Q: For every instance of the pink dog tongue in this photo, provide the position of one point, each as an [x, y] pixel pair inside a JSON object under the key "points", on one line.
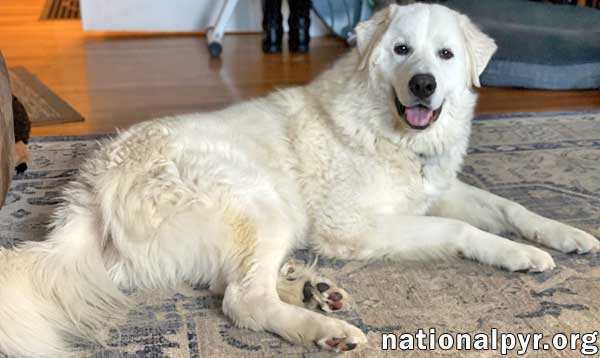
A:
{"points": [[418, 116]]}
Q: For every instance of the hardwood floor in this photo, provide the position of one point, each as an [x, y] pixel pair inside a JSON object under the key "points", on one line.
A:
{"points": [[116, 80]]}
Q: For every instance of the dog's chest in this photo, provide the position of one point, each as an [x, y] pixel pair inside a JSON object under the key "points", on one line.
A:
{"points": [[408, 182], [342, 185], [389, 181], [438, 173]]}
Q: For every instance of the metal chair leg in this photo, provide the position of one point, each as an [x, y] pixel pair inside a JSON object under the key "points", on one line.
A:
{"points": [[214, 34]]}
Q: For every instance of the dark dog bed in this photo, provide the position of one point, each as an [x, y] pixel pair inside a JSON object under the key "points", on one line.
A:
{"points": [[540, 45]]}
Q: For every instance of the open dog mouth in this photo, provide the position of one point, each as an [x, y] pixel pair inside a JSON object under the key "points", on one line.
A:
{"points": [[417, 117]]}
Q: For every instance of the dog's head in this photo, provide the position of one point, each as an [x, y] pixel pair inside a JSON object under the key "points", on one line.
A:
{"points": [[420, 57]]}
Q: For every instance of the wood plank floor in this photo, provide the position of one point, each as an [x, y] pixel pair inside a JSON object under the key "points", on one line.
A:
{"points": [[116, 80]]}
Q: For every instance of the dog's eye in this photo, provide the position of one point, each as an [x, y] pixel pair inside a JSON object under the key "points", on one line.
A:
{"points": [[401, 49], [445, 54]]}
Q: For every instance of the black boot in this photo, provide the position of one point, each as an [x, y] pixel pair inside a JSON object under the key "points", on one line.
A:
{"points": [[272, 26], [299, 22]]}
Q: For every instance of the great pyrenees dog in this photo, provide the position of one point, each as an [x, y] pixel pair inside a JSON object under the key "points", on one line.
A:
{"points": [[361, 163]]}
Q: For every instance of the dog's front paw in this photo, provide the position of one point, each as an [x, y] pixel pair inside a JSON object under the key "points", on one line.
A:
{"points": [[526, 258], [566, 238], [301, 285]]}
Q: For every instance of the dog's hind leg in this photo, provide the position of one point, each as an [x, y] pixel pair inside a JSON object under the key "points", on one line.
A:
{"points": [[251, 299]]}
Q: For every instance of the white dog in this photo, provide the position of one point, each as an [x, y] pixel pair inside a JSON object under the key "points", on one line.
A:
{"points": [[359, 164]]}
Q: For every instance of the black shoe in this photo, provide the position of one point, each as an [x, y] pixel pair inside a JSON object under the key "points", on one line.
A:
{"points": [[299, 22], [272, 26]]}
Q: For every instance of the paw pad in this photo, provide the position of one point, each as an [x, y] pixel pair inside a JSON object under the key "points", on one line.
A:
{"points": [[302, 286], [338, 345], [322, 286], [324, 295]]}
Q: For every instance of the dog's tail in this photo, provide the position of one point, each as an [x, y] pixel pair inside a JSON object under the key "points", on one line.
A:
{"points": [[56, 291]]}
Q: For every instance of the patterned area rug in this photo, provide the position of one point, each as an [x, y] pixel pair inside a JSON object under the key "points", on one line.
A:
{"points": [[549, 163]]}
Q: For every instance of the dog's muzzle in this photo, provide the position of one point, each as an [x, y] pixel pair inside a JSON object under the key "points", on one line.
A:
{"points": [[417, 117]]}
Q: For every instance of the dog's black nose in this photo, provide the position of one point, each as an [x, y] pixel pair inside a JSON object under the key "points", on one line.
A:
{"points": [[422, 85]]}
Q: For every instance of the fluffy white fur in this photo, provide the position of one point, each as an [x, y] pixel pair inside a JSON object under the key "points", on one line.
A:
{"points": [[223, 197]]}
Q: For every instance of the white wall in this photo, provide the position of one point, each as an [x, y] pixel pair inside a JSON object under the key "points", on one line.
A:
{"points": [[174, 15]]}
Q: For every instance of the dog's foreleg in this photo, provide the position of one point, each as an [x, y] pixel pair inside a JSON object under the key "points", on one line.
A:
{"points": [[424, 236], [495, 214]]}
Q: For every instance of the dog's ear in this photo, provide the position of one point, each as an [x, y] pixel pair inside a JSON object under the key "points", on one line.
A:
{"points": [[369, 33], [480, 48]]}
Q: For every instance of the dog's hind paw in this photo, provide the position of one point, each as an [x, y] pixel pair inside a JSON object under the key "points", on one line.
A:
{"points": [[323, 295], [339, 336], [301, 285], [337, 344]]}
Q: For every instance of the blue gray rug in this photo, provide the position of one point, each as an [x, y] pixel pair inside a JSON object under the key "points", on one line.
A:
{"points": [[550, 163]]}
